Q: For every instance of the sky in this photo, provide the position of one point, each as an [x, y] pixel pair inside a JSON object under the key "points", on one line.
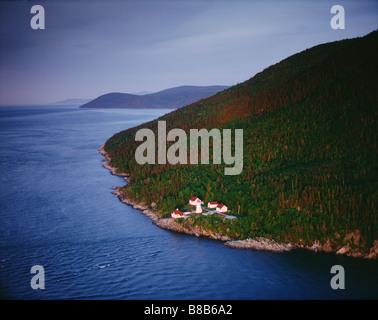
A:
{"points": [[89, 48]]}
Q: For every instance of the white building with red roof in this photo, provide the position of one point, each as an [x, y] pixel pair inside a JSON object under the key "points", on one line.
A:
{"points": [[212, 204], [193, 201], [221, 208], [177, 214]]}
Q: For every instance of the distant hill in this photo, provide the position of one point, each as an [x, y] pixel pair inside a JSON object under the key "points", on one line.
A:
{"points": [[73, 101], [310, 152], [167, 99]]}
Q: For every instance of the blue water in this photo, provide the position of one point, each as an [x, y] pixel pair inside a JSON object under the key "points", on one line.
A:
{"points": [[57, 210]]}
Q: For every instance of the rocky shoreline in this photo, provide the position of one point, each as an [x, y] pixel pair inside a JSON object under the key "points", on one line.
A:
{"points": [[260, 243], [106, 159]]}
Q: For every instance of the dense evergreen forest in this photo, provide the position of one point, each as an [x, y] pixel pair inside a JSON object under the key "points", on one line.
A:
{"points": [[310, 150]]}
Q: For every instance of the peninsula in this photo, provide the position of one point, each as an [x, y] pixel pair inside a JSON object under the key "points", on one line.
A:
{"points": [[309, 176]]}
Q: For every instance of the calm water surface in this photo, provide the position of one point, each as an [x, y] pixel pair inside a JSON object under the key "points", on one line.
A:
{"points": [[57, 211]]}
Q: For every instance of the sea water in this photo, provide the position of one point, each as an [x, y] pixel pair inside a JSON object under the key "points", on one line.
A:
{"points": [[57, 211]]}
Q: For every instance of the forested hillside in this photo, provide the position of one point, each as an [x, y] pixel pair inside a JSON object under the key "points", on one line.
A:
{"points": [[310, 150]]}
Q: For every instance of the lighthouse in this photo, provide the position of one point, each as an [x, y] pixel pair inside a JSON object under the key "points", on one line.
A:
{"points": [[198, 208]]}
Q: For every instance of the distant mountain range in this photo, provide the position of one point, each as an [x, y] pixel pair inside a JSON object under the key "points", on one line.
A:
{"points": [[167, 99], [73, 101]]}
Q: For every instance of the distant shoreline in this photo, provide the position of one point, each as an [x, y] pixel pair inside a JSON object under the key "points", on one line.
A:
{"points": [[258, 243]]}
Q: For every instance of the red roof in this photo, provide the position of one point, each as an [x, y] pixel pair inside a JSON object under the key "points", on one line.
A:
{"points": [[220, 206], [193, 198], [177, 211], [213, 202]]}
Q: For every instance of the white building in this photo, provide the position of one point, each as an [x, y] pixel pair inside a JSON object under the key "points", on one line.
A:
{"points": [[177, 214], [198, 208], [212, 205], [221, 208], [194, 200]]}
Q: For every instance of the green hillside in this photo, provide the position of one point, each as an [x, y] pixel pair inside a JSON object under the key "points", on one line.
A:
{"points": [[310, 150]]}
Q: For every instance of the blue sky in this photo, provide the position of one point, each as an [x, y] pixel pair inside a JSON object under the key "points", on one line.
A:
{"points": [[89, 48]]}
